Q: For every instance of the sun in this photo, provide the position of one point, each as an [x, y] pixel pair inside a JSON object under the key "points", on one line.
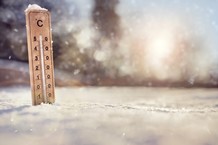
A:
{"points": [[160, 47]]}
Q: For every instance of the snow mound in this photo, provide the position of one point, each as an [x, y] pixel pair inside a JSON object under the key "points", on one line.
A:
{"points": [[34, 7]]}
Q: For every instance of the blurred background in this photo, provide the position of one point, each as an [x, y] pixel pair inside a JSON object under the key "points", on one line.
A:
{"points": [[118, 42]]}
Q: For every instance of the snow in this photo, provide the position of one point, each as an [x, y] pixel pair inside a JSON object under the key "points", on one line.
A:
{"points": [[106, 116], [32, 7]]}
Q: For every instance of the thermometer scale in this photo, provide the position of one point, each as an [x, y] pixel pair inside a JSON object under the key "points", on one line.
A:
{"points": [[40, 54]]}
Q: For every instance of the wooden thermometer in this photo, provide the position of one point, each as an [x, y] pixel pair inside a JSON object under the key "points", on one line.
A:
{"points": [[40, 54]]}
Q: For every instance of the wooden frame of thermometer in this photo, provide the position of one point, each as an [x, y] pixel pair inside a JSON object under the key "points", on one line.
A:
{"points": [[40, 54]]}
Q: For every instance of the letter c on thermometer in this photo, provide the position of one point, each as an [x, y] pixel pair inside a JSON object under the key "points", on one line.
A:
{"points": [[39, 23]]}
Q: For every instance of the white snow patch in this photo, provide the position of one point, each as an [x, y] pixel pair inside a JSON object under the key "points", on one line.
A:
{"points": [[34, 7], [118, 116]]}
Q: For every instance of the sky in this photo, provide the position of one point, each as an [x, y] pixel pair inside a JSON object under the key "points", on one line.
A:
{"points": [[195, 20]]}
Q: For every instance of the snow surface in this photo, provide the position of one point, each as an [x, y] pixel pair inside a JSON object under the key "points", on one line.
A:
{"points": [[111, 116], [32, 7]]}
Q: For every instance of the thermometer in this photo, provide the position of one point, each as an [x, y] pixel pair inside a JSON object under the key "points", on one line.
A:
{"points": [[40, 54]]}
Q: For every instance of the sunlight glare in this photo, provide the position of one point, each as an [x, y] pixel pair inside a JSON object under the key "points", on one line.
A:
{"points": [[160, 47]]}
